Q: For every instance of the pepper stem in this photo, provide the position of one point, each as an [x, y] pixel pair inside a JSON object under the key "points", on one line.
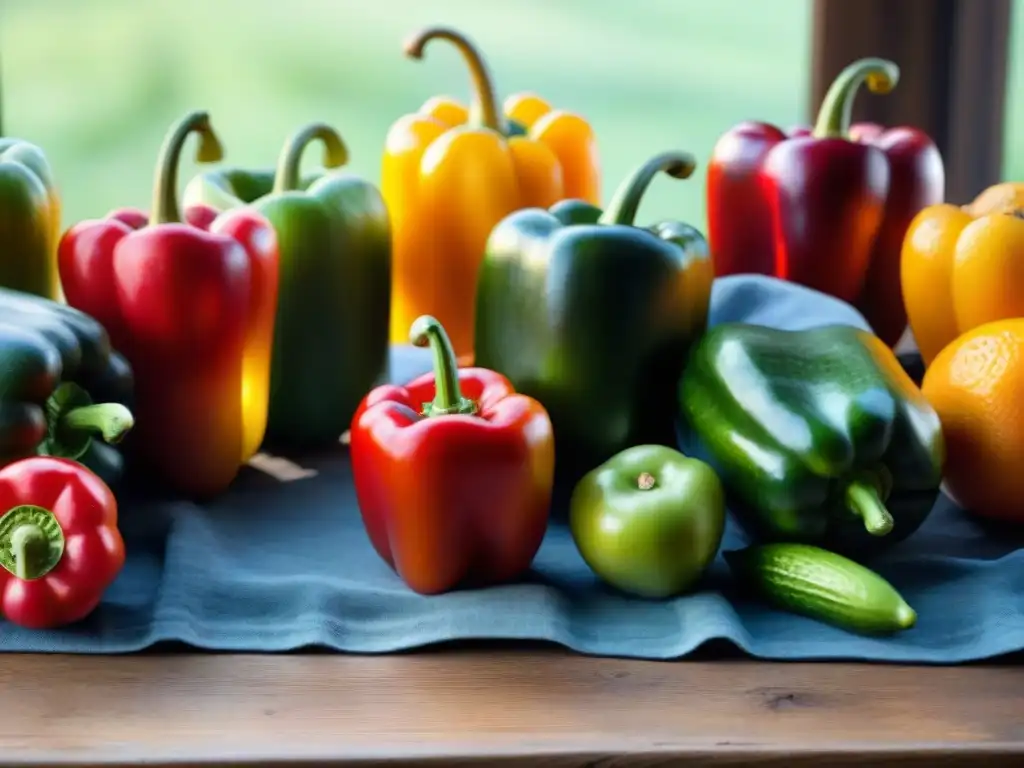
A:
{"points": [[645, 481], [863, 500], [448, 399], [626, 200], [111, 421], [165, 187], [73, 420], [484, 108], [286, 178], [31, 541], [31, 550], [880, 76]]}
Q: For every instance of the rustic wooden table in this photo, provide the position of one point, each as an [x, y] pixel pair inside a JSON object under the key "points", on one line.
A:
{"points": [[486, 707]]}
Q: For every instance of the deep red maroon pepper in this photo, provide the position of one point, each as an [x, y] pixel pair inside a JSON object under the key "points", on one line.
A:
{"points": [[917, 179], [827, 207]]}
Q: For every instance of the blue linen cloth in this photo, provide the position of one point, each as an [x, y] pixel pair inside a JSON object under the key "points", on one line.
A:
{"points": [[278, 565]]}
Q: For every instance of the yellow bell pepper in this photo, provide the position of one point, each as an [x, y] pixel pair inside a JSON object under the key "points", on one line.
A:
{"points": [[450, 174], [962, 267]]}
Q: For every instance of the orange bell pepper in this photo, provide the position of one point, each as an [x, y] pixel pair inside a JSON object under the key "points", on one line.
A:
{"points": [[963, 266], [450, 174]]}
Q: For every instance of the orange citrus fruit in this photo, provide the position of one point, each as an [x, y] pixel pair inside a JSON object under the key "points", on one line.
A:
{"points": [[976, 384], [999, 198]]}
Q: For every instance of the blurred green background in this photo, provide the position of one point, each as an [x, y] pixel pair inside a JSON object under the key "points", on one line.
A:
{"points": [[97, 82]]}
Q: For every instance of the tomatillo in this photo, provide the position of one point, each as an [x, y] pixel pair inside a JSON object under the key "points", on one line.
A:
{"points": [[649, 520]]}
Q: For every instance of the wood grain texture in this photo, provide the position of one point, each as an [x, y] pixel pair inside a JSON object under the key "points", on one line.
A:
{"points": [[501, 708]]}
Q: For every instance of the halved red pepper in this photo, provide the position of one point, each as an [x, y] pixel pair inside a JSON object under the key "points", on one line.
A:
{"points": [[193, 312], [828, 207], [60, 547], [453, 473]]}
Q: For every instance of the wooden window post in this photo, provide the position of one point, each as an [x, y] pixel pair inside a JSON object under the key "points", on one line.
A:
{"points": [[952, 56]]}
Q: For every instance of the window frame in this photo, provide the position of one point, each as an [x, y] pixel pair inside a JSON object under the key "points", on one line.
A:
{"points": [[953, 57]]}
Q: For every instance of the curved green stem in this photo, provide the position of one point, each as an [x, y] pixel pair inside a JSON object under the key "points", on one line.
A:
{"points": [[484, 110], [335, 154], [73, 420], [863, 500], [626, 200], [448, 399], [31, 541], [31, 550], [111, 421], [165, 186], [880, 75]]}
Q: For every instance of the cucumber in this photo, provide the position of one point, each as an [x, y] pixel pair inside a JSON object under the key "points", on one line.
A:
{"points": [[822, 585]]}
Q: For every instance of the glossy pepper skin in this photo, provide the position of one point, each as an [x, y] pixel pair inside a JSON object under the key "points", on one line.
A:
{"points": [[29, 220], [54, 361], [60, 547], [961, 269], [450, 174], [193, 312], [594, 316], [453, 473], [819, 435], [827, 208], [334, 241]]}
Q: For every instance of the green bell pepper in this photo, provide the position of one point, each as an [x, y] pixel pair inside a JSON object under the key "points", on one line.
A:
{"points": [[53, 361], [819, 435], [334, 296], [593, 316], [29, 220]]}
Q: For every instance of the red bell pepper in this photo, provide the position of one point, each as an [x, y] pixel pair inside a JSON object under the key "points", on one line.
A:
{"points": [[827, 207], [192, 310], [60, 547], [453, 473]]}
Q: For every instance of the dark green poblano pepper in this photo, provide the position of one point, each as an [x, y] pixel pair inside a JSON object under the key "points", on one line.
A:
{"points": [[819, 435], [63, 391]]}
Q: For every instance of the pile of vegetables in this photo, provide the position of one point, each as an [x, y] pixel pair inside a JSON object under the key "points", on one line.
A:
{"points": [[569, 344]]}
